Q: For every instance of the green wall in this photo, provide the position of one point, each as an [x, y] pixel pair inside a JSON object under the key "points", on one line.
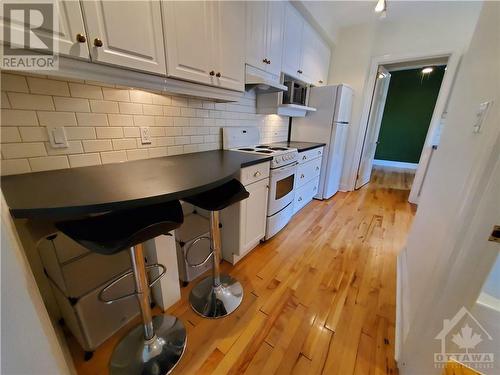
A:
{"points": [[407, 114]]}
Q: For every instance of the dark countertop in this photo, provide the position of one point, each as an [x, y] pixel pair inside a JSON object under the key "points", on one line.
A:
{"points": [[301, 146], [87, 190]]}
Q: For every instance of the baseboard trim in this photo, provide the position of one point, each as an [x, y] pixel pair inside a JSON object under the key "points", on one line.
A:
{"points": [[395, 164]]}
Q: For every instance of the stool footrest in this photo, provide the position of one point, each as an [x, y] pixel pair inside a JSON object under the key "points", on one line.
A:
{"points": [[186, 255], [123, 276]]}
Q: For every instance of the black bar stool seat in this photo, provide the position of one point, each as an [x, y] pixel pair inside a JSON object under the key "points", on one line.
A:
{"points": [[218, 295], [156, 346]]}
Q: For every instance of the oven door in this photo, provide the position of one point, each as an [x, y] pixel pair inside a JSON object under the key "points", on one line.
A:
{"points": [[281, 188]]}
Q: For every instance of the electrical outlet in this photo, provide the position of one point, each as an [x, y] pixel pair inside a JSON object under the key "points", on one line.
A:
{"points": [[145, 135]]}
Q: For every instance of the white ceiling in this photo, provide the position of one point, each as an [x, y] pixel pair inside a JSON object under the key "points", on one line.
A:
{"points": [[331, 16]]}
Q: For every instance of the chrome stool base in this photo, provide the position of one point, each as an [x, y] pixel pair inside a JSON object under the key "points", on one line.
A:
{"points": [[216, 301], [134, 355]]}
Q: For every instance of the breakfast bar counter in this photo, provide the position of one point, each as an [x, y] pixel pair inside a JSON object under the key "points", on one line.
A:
{"points": [[96, 189]]}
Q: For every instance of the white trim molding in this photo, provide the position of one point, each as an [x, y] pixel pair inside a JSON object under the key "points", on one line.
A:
{"points": [[395, 164]]}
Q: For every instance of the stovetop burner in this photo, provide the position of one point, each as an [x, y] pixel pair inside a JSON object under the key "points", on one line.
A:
{"points": [[262, 146], [264, 151], [246, 149], [278, 148]]}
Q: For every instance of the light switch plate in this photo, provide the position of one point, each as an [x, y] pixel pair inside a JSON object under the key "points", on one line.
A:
{"points": [[57, 137], [145, 135], [480, 115]]}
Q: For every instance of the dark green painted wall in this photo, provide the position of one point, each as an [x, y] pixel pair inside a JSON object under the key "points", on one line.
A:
{"points": [[407, 114]]}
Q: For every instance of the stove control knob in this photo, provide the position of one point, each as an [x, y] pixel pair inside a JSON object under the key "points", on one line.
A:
{"points": [[283, 158]]}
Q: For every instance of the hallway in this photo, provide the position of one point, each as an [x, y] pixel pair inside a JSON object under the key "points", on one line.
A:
{"points": [[319, 297]]}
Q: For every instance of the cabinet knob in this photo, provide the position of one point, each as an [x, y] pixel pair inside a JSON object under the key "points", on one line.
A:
{"points": [[320, 81], [302, 175], [264, 61], [97, 42], [256, 174], [212, 73], [218, 74], [300, 198], [80, 38], [269, 61], [299, 71]]}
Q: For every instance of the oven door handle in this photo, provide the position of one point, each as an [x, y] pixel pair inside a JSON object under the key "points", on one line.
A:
{"points": [[284, 170]]}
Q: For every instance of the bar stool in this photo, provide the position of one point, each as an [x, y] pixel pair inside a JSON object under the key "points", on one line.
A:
{"points": [[218, 295], [156, 346]]}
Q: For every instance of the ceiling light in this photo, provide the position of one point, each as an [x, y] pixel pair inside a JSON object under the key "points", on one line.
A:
{"points": [[427, 70], [381, 6]]}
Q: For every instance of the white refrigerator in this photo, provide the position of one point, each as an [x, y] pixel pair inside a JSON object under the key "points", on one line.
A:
{"points": [[330, 125]]}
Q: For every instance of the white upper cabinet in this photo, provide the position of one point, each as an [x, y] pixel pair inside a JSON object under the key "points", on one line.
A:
{"points": [[275, 27], [229, 34], [306, 56], [205, 42], [292, 48], [72, 37], [127, 34], [264, 47], [189, 41]]}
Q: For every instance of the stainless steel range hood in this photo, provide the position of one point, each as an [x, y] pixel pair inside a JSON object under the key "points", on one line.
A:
{"points": [[262, 82]]}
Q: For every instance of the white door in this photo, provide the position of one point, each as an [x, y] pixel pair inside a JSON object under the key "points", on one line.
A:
{"points": [[310, 55], [274, 43], [373, 128], [127, 34], [70, 20], [253, 214], [230, 44], [189, 40], [292, 46], [256, 36]]}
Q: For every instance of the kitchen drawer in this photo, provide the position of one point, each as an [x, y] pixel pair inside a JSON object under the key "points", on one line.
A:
{"points": [[305, 194], [307, 171], [308, 155], [254, 173]]}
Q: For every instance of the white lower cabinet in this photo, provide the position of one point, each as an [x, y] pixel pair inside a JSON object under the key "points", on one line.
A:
{"points": [[307, 177], [244, 223]]}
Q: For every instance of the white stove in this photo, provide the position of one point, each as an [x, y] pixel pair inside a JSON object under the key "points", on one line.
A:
{"points": [[281, 177]]}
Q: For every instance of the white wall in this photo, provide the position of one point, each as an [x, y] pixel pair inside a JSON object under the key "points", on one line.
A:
{"points": [[492, 284], [448, 253], [29, 342], [447, 28]]}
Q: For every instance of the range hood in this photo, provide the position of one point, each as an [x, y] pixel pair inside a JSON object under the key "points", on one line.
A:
{"points": [[262, 82]]}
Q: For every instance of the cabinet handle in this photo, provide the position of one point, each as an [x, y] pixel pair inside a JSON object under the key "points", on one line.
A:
{"points": [[269, 61], [320, 81], [300, 198], [256, 174], [302, 175], [314, 188], [218, 74], [299, 71], [97, 42], [317, 168], [265, 61], [304, 157], [319, 152], [212, 73], [80, 38]]}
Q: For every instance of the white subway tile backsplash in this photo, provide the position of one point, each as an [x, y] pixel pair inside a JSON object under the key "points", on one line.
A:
{"points": [[79, 90], [108, 119], [30, 101], [34, 134], [97, 145], [48, 163], [23, 150], [56, 118], [15, 166], [71, 104], [92, 119], [47, 86], [84, 160], [14, 117]]}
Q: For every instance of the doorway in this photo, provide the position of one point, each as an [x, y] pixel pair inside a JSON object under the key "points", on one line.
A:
{"points": [[402, 108]]}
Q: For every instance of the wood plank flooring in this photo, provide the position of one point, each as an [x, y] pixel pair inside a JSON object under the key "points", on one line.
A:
{"points": [[319, 296]]}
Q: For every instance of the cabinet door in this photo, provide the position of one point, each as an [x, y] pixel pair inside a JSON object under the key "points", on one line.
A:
{"points": [[230, 44], [274, 42], [292, 46], [256, 23], [70, 24], [253, 214], [321, 79], [189, 40], [130, 31], [310, 58]]}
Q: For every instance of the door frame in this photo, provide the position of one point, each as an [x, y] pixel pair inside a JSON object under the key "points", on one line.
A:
{"points": [[444, 92]]}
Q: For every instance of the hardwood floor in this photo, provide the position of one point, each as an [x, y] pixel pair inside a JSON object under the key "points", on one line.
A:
{"points": [[319, 296]]}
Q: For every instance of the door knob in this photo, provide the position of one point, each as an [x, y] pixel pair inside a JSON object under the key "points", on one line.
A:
{"points": [[97, 42], [80, 38], [218, 74], [212, 73]]}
